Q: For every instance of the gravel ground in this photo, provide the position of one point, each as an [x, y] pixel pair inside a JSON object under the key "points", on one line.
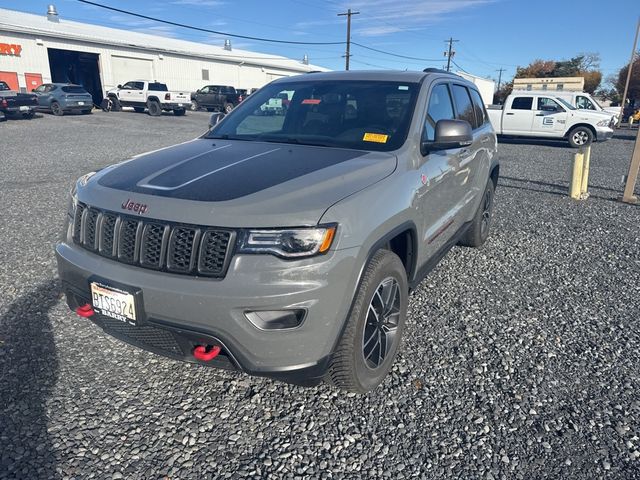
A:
{"points": [[520, 360]]}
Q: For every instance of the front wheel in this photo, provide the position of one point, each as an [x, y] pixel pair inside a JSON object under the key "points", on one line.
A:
{"points": [[194, 106], [374, 327], [580, 137], [228, 107], [154, 108], [56, 109]]}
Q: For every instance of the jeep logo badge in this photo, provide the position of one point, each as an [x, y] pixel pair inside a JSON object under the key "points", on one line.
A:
{"points": [[139, 208]]}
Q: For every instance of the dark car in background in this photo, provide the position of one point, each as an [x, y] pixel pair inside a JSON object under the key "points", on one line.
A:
{"points": [[61, 98], [15, 103], [216, 98]]}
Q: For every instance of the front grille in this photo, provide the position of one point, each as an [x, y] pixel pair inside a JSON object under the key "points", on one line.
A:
{"points": [[175, 248]]}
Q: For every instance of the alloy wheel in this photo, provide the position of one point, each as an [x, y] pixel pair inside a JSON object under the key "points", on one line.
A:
{"points": [[580, 137], [381, 323], [487, 209]]}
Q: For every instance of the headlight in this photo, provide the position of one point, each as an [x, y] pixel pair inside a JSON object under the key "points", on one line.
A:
{"points": [[73, 194], [603, 123], [288, 243]]}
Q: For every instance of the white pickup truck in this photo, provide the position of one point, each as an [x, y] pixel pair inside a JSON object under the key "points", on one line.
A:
{"points": [[543, 115], [155, 97]]}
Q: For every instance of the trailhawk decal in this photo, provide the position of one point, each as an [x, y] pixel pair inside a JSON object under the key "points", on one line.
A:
{"points": [[215, 170]]}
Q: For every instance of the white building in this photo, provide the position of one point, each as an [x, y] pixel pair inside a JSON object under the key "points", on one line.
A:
{"points": [[486, 86], [37, 49]]}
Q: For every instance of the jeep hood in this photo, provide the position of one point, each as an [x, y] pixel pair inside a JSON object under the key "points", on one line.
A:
{"points": [[236, 183]]}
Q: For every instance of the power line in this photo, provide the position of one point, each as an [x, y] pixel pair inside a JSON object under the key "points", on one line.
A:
{"points": [[396, 54], [190, 27]]}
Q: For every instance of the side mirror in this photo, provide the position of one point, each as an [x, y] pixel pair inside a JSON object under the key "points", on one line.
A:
{"points": [[119, 86], [449, 134], [215, 118]]}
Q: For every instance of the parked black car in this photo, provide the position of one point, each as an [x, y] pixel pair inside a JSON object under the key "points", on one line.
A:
{"points": [[15, 103], [216, 98]]}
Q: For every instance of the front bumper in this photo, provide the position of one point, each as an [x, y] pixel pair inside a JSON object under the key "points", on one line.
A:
{"points": [[603, 133], [203, 310]]}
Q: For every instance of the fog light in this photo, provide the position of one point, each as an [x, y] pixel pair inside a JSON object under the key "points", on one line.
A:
{"points": [[276, 319]]}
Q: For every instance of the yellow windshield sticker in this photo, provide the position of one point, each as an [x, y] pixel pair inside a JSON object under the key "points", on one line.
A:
{"points": [[375, 137]]}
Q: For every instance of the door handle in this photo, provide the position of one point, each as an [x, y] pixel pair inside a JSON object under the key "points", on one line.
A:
{"points": [[539, 114], [510, 113]]}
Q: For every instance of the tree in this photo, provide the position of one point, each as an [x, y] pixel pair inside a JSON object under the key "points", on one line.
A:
{"points": [[634, 82], [585, 65], [501, 95], [536, 69], [592, 80]]}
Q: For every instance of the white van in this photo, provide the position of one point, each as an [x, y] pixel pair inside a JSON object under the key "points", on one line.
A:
{"points": [[580, 100]]}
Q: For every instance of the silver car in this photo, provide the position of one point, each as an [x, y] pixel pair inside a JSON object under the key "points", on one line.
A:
{"points": [[286, 245], [61, 98]]}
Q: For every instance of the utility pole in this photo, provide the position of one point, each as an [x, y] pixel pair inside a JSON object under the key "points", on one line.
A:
{"points": [[348, 14], [626, 85], [450, 53], [500, 77]]}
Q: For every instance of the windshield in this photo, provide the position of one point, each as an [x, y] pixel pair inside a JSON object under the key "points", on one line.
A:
{"points": [[363, 115], [4, 86], [565, 104]]}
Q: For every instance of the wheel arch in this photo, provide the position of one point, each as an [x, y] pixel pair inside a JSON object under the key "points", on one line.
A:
{"points": [[586, 125]]}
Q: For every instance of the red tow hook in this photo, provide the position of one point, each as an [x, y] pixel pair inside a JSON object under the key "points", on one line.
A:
{"points": [[85, 310], [206, 353]]}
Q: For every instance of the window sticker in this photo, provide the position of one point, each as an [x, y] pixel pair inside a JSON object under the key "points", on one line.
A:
{"points": [[403, 87], [311, 101], [375, 137]]}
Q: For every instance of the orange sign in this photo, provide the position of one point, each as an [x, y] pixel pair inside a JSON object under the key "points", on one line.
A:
{"points": [[10, 49]]}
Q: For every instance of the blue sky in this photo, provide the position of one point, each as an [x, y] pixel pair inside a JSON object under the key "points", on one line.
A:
{"points": [[492, 34]]}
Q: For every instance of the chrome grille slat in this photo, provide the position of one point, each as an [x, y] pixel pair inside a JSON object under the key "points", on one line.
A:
{"points": [[154, 244]]}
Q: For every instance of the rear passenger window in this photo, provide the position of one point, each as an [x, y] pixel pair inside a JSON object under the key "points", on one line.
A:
{"points": [[478, 106], [522, 103], [464, 107], [440, 108]]}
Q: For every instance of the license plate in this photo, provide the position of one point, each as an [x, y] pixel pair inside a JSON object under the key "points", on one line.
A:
{"points": [[24, 108], [113, 303], [80, 103]]}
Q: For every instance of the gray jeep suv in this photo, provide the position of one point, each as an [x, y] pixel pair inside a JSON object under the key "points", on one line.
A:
{"points": [[286, 245]]}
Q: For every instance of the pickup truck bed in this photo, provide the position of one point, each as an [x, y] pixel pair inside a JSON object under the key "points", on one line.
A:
{"points": [[15, 103]]}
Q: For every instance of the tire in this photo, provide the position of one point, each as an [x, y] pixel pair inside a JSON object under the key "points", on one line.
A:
{"points": [[115, 104], [209, 109], [154, 108], [56, 109], [29, 115], [349, 369], [228, 107], [478, 231], [178, 112], [194, 106], [86, 112], [580, 137], [138, 109]]}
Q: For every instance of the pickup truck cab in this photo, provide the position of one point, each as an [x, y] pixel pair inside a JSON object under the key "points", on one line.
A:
{"points": [[543, 115], [582, 101], [216, 98], [155, 97], [286, 245], [15, 103]]}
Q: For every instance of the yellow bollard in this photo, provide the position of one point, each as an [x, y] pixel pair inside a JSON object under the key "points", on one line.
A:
{"points": [[575, 186], [585, 172]]}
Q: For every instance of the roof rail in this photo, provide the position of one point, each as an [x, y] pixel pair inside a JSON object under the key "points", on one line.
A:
{"points": [[314, 71], [437, 70]]}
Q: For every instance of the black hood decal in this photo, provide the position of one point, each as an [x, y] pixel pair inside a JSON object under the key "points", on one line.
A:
{"points": [[215, 171]]}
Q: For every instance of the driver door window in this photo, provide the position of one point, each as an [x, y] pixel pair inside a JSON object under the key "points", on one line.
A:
{"points": [[439, 108], [584, 103]]}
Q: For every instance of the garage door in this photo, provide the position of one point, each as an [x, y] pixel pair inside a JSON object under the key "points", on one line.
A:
{"points": [[11, 78], [128, 68]]}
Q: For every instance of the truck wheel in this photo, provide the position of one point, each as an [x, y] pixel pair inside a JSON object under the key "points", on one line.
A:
{"points": [[194, 106], [228, 107], [178, 112], [115, 104], [56, 109], [478, 231], [580, 137], [154, 108], [374, 327], [138, 109]]}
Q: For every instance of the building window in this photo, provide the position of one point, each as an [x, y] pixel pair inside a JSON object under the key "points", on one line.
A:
{"points": [[205, 74], [544, 86], [528, 86], [560, 86]]}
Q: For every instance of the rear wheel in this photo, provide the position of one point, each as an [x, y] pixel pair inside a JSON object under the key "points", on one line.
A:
{"points": [[194, 106], [479, 229], [580, 137], [154, 108], [228, 107], [138, 109], [372, 335], [56, 109]]}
